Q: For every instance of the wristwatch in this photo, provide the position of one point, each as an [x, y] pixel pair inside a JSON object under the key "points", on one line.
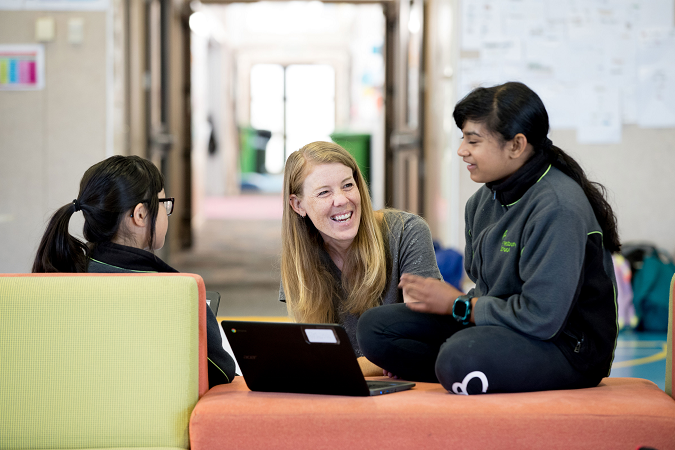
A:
{"points": [[461, 309]]}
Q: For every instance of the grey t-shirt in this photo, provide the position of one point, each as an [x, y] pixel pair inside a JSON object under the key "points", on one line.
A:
{"points": [[412, 251]]}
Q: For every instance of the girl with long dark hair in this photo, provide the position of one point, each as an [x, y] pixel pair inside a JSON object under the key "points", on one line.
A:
{"points": [[120, 199], [539, 238]]}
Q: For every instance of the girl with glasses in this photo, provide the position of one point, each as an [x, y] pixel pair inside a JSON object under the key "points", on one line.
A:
{"points": [[125, 219]]}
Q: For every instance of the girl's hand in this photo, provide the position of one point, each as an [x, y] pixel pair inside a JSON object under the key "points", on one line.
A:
{"points": [[389, 374], [428, 295]]}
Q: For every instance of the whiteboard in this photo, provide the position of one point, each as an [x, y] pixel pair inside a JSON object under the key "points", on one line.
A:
{"points": [[596, 64]]}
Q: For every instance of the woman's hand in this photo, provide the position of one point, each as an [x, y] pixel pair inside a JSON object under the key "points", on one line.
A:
{"points": [[428, 295]]}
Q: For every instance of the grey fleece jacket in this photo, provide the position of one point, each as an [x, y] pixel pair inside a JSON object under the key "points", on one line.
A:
{"points": [[540, 267]]}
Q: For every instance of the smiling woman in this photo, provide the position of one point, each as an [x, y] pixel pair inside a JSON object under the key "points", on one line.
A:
{"points": [[339, 257], [332, 202]]}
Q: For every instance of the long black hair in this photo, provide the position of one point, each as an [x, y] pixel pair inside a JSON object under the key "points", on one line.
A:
{"points": [[512, 108], [109, 190]]}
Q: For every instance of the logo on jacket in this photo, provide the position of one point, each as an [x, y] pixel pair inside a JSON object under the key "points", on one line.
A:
{"points": [[506, 245]]}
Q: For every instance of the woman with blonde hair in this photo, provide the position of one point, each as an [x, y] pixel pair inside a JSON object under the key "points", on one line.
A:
{"points": [[339, 257]]}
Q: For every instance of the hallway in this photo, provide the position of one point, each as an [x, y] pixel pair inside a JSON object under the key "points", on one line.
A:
{"points": [[237, 251]]}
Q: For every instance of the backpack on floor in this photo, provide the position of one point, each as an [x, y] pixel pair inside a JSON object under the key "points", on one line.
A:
{"points": [[450, 264], [653, 269], [624, 292]]}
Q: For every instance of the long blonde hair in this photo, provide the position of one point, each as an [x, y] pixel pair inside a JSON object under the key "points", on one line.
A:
{"points": [[310, 288]]}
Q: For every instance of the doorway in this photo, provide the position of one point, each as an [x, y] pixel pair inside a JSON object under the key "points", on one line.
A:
{"points": [[296, 103], [301, 71]]}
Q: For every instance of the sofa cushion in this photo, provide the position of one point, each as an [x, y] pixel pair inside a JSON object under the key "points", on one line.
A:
{"points": [[96, 361], [619, 413]]}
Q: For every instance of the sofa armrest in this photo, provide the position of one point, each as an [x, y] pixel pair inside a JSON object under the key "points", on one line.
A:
{"points": [[100, 360]]}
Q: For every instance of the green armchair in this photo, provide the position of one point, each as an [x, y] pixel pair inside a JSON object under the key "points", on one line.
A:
{"points": [[100, 360]]}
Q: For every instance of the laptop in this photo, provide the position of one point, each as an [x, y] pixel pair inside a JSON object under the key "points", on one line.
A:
{"points": [[301, 358], [213, 300]]}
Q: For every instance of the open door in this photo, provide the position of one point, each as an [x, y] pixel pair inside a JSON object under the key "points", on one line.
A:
{"points": [[167, 121], [404, 118]]}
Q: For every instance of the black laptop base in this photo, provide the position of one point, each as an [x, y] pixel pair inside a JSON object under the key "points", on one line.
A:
{"points": [[300, 358]]}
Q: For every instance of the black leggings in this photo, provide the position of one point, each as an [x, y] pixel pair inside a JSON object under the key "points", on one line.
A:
{"points": [[465, 359]]}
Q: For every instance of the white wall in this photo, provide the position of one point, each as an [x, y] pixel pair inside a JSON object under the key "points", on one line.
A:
{"points": [[48, 138], [639, 175], [638, 172]]}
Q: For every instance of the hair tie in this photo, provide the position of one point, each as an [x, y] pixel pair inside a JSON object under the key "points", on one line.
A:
{"points": [[76, 202]]}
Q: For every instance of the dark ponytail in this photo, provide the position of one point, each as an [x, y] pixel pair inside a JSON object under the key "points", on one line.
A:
{"points": [[58, 250], [109, 191], [596, 194], [512, 108]]}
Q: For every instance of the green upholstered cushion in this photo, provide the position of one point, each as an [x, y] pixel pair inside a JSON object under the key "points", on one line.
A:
{"points": [[97, 362]]}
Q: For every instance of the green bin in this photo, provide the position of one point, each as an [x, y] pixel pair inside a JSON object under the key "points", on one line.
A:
{"points": [[358, 145], [252, 143], [247, 153]]}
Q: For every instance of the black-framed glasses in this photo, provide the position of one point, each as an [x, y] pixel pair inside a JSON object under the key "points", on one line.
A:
{"points": [[168, 204]]}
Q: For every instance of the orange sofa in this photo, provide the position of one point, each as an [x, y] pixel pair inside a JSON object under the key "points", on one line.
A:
{"points": [[39, 410], [621, 413]]}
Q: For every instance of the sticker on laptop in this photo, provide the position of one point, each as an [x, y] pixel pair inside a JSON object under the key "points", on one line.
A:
{"points": [[320, 336]]}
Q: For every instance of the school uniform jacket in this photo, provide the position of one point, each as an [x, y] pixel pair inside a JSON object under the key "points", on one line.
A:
{"points": [[534, 249], [114, 258]]}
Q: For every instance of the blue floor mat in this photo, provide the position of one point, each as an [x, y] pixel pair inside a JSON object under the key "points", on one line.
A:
{"points": [[641, 355]]}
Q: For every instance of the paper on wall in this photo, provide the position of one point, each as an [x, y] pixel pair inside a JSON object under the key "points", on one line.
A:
{"points": [[501, 50], [473, 74], [560, 100], [599, 116], [523, 18], [656, 78], [55, 5], [22, 67], [480, 19], [11, 5], [655, 13]]}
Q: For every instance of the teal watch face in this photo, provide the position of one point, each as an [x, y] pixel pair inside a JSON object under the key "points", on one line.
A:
{"points": [[461, 309]]}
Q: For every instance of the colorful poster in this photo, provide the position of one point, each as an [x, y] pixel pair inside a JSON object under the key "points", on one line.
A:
{"points": [[21, 67]]}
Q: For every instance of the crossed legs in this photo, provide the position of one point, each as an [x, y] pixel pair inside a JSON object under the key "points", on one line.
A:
{"points": [[464, 359]]}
